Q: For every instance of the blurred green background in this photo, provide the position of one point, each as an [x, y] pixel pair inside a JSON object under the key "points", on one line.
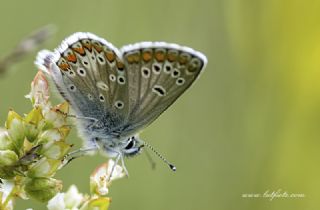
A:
{"points": [[250, 124]]}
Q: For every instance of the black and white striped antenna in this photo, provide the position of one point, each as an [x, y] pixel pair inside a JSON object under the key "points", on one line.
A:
{"points": [[171, 166]]}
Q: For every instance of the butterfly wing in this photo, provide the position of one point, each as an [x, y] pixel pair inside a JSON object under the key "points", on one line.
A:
{"points": [[157, 73], [125, 91], [89, 74]]}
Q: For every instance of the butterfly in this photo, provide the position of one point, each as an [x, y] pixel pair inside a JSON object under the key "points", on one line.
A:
{"points": [[116, 93]]}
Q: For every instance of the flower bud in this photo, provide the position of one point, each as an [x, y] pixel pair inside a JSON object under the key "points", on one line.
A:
{"points": [[11, 116], [32, 124], [49, 136], [35, 116], [56, 150], [62, 108], [101, 203], [101, 178], [7, 158], [42, 189], [72, 197], [6, 172], [44, 168], [54, 118], [5, 141], [64, 131], [15, 127], [39, 94], [57, 202]]}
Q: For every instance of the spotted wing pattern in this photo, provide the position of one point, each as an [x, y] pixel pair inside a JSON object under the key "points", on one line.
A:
{"points": [[124, 90], [158, 73], [90, 75]]}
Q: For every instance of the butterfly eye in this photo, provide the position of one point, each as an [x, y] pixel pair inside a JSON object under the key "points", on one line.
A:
{"points": [[130, 144]]}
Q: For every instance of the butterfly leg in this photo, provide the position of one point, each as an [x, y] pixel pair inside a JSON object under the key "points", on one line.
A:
{"points": [[94, 120], [114, 166], [77, 153], [124, 166], [119, 157]]}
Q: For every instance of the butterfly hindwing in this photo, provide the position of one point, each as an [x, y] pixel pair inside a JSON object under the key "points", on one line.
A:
{"points": [[89, 73]]}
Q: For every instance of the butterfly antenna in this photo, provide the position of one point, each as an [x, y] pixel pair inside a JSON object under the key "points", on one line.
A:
{"points": [[172, 167]]}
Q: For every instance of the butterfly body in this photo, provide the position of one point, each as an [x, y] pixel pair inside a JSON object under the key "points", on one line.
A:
{"points": [[116, 93]]}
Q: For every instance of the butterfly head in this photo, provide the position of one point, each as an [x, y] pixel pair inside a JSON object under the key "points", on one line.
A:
{"points": [[132, 147], [127, 147]]}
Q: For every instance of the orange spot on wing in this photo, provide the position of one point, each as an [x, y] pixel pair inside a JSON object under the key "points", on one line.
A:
{"points": [[110, 56], [97, 47], [130, 58], [133, 57], [160, 56], [64, 66], [79, 50], [192, 68], [88, 46], [120, 65], [183, 59], [172, 57], [136, 57], [146, 56], [72, 58]]}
